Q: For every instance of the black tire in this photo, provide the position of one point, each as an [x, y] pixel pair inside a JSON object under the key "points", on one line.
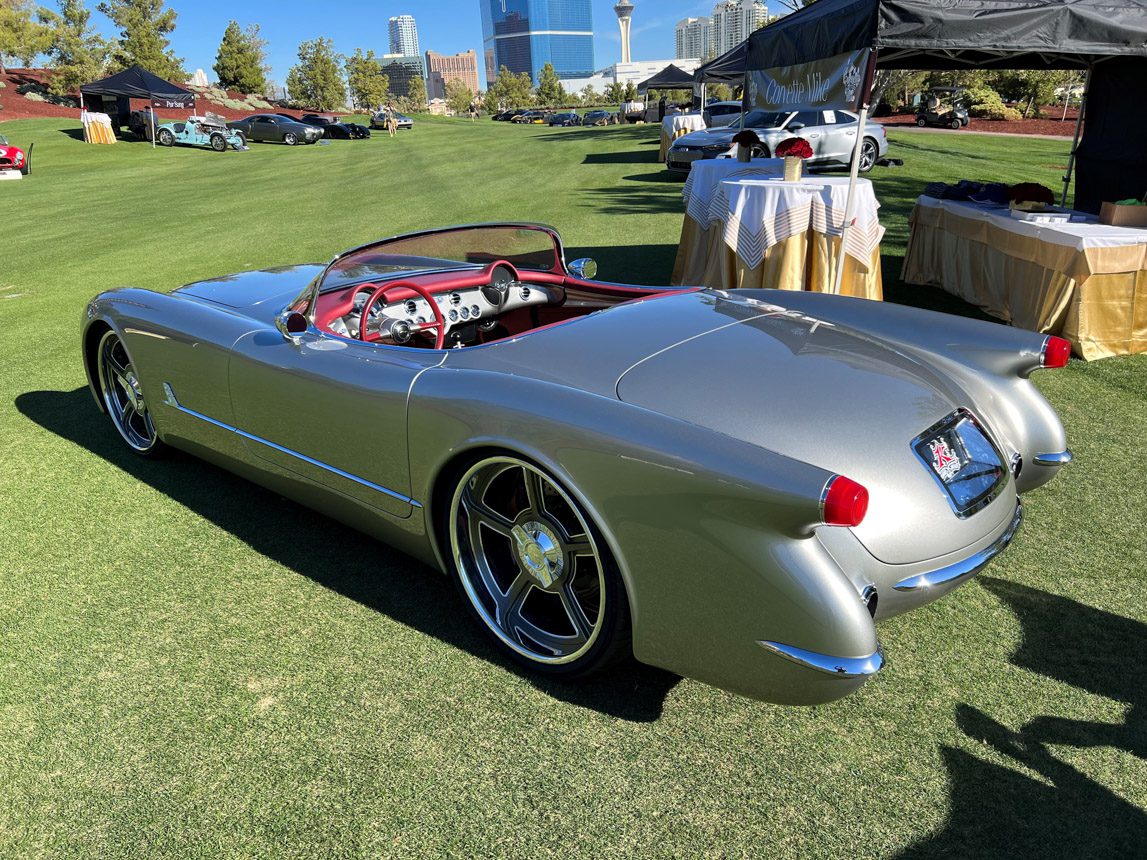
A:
{"points": [[122, 396], [290, 139], [564, 612], [242, 138], [759, 152], [164, 137], [218, 142], [920, 121], [869, 153], [955, 125]]}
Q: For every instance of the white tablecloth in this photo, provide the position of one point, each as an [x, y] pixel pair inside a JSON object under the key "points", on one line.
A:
{"points": [[759, 213], [1080, 236], [707, 174], [673, 124]]}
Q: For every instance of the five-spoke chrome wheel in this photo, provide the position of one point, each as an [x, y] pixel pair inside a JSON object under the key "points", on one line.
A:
{"points": [[530, 564], [123, 396]]}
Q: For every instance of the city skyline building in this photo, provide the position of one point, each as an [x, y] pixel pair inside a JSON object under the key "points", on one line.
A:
{"points": [[442, 68], [404, 36], [624, 11], [524, 35], [402, 69], [733, 21], [693, 38]]}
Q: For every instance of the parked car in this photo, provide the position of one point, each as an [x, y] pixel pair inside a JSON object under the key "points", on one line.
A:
{"points": [[597, 117], [945, 107], [276, 128], [830, 133], [206, 131], [13, 160], [378, 120], [530, 117], [719, 114], [334, 128], [562, 448], [506, 115], [565, 118]]}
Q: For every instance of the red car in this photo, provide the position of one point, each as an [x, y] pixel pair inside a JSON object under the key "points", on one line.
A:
{"points": [[13, 158]]}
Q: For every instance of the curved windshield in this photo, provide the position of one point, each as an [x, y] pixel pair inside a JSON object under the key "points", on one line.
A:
{"points": [[762, 119], [525, 248]]}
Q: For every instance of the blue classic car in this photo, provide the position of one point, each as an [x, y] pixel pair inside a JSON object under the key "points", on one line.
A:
{"points": [[210, 130]]}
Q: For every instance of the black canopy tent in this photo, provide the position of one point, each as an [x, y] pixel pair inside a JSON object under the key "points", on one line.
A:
{"points": [[135, 83], [669, 78], [825, 55]]}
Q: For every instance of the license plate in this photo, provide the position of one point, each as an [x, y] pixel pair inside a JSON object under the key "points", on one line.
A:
{"points": [[963, 460]]}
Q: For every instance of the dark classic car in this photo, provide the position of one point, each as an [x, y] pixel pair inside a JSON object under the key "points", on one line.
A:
{"points": [[276, 128], [334, 128], [735, 486], [530, 117], [565, 118], [597, 117]]}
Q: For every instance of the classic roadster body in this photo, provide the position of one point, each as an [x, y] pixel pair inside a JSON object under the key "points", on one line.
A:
{"points": [[206, 131], [734, 486]]}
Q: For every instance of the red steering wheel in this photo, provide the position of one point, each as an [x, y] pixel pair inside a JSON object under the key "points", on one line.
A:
{"points": [[404, 329]]}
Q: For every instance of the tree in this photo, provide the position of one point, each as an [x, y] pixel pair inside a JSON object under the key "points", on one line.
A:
{"points": [[22, 37], [614, 93], [509, 91], [144, 26], [720, 92], [550, 92], [896, 86], [589, 95], [631, 92], [240, 63], [316, 81], [458, 96], [369, 85], [416, 94], [76, 52]]}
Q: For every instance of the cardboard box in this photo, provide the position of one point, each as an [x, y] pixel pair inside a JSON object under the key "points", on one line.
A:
{"points": [[1123, 216]]}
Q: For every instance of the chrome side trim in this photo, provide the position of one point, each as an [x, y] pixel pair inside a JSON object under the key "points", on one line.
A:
{"points": [[838, 667], [170, 400], [968, 567], [1060, 459]]}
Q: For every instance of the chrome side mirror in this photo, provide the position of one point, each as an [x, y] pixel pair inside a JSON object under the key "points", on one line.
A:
{"points": [[293, 325], [585, 269]]}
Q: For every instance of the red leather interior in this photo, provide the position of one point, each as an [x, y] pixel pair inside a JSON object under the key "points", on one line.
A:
{"points": [[591, 296]]}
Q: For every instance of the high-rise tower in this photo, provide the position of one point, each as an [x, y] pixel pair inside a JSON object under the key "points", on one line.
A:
{"points": [[404, 36], [624, 10], [524, 35]]}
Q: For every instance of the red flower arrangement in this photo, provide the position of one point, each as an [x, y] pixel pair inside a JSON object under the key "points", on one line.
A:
{"points": [[796, 147]]}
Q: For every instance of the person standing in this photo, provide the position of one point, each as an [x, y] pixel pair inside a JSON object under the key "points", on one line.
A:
{"points": [[391, 120]]}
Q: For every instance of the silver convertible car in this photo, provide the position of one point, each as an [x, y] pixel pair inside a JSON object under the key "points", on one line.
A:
{"points": [[830, 133], [735, 486]]}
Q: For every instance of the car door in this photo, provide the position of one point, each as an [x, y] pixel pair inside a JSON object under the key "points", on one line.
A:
{"points": [[266, 128], [812, 129], [841, 136], [332, 410]]}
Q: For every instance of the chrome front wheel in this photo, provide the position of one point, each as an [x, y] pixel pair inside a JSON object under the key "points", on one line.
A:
{"points": [[533, 568], [123, 397]]}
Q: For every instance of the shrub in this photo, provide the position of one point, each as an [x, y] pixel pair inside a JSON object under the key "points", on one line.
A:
{"points": [[34, 97], [234, 104], [259, 104]]}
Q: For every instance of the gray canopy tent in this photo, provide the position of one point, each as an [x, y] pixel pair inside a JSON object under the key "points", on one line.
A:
{"points": [[135, 83], [669, 78], [826, 54]]}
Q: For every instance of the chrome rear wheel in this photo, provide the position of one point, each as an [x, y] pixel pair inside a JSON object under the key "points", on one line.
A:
{"points": [[123, 397], [533, 569]]}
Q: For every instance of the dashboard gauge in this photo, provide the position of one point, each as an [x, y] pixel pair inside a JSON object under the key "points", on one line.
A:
{"points": [[464, 313], [475, 311], [453, 315]]}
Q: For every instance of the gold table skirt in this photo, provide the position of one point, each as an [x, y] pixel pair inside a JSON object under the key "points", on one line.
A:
{"points": [[1096, 298], [804, 261]]}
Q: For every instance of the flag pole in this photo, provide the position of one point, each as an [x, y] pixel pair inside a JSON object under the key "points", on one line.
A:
{"points": [[853, 172]]}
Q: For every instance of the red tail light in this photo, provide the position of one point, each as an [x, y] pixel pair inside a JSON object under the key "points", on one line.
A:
{"points": [[1056, 352], [844, 503]]}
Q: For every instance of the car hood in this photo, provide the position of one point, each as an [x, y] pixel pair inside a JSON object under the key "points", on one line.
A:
{"points": [[261, 293], [829, 396], [723, 135]]}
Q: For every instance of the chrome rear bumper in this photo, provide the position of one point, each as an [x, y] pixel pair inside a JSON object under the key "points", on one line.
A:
{"points": [[968, 567]]}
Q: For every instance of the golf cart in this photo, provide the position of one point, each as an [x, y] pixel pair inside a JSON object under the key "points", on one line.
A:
{"points": [[945, 107]]}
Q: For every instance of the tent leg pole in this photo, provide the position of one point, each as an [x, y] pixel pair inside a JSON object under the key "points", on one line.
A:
{"points": [[153, 128], [850, 204], [1075, 139]]}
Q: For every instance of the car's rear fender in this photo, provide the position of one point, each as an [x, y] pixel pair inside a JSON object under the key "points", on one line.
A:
{"points": [[990, 362], [712, 535]]}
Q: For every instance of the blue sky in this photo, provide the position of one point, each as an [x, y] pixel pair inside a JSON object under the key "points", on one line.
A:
{"points": [[445, 26]]}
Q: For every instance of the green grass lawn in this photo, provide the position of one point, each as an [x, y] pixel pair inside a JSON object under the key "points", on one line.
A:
{"points": [[193, 667]]}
